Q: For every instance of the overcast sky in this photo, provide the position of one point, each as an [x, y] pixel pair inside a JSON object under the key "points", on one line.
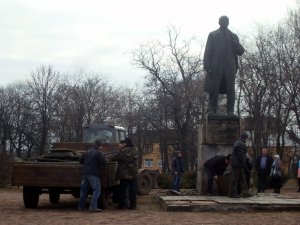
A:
{"points": [[98, 34]]}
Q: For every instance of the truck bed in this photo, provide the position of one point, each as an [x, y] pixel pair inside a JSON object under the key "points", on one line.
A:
{"points": [[65, 174], [47, 174]]}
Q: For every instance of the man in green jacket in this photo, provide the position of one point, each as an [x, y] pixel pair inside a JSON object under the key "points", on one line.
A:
{"points": [[127, 172], [239, 166]]}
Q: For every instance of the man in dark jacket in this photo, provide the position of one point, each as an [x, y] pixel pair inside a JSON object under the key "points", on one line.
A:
{"points": [[214, 168], [239, 165], [93, 161], [263, 168], [177, 170], [220, 63], [127, 172]]}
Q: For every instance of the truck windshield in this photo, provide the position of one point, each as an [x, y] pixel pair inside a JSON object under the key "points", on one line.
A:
{"points": [[104, 134]]}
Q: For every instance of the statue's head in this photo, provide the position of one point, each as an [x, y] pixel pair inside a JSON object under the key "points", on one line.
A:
{"points": [[223, 21]]}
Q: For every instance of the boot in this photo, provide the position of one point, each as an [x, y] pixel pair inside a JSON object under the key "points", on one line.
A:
{"points": [[247, 195]]}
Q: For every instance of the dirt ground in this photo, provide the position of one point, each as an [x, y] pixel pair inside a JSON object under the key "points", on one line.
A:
{"points": [[12, 212]]}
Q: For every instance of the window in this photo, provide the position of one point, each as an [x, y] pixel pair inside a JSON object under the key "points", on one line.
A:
{"points": [[148, 163], [148, 148], [160, 163], [121, 134], [104, 134]]}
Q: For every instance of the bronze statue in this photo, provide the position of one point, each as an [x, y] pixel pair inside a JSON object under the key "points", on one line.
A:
{"points": [[221, 63]]}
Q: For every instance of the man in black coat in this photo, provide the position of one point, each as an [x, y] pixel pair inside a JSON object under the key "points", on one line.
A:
{"points": [[221, 63], [263, 168], [177, 170], [93, 162], [214, 168]]}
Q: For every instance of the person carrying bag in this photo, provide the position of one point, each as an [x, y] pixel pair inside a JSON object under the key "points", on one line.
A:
{"points": [[276, 173]]}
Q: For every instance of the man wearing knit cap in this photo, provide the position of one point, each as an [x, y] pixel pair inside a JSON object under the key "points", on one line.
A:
{"points": [[239, 166]]}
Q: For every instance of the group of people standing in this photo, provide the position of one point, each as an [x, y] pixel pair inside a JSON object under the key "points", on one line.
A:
{"points": [[94, 161], [267, 168]]}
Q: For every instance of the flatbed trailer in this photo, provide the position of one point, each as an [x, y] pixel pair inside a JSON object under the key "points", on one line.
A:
{"points": [[59, 172]]}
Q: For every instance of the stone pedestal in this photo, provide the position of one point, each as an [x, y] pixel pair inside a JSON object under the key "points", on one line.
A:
{"points": [[220, 129], [217, 134]]}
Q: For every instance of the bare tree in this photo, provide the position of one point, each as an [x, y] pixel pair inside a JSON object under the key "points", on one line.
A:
{"points": [[85, 99], [5, 115], [132, 113], [270, 82], [42, 91], [17, 121], [174, 74], [255, 74], [290, 79]]}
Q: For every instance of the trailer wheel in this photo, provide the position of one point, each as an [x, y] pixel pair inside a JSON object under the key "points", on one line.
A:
{"points": [[102, 200], [76, 193], [144, 184], [31, 197], [54, 196]]}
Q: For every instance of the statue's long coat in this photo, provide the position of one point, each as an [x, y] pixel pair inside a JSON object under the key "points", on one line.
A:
{"points": [[221, 53]]}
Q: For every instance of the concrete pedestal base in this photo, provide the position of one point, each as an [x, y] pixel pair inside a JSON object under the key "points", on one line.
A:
{"points": [[217, 135]]}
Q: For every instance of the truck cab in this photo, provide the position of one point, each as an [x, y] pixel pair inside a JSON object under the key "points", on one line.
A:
{"points": [[104, 132]]}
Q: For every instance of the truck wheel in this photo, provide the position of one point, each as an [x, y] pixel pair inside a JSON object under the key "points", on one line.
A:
{"points": [[102, 200], [76, 193], [31, 197], [144, 184], [54, 196]]}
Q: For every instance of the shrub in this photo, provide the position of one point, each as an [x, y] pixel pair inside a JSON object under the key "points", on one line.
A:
{"points": [[5, 170], [164, 181], [189, 180]]}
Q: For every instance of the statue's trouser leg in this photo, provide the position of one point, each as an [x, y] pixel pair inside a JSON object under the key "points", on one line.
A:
{"points": [[213, 102], [230, 101], [230, 89]]}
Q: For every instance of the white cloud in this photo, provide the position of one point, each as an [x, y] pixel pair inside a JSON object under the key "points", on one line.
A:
{"points": [[96, 34]]}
